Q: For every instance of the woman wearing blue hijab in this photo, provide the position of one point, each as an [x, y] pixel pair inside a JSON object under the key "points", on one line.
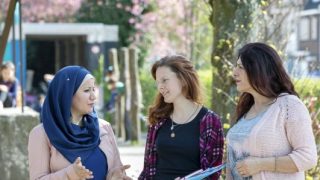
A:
{"points": [[71, 142]]}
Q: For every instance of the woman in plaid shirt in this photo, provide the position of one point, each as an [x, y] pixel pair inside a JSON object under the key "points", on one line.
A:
{"points": [[183, 135]]}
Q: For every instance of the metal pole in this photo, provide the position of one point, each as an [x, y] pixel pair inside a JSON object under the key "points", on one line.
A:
{"points": [[21, 57], [13, 40]]}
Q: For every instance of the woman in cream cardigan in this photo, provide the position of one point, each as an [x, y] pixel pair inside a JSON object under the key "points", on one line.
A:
{"points": [[272, 138], [71, 142]]}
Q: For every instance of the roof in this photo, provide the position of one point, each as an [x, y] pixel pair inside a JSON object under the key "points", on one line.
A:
{"points": [[95, 32]]}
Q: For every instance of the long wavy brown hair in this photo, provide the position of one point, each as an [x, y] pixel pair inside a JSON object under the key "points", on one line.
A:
{"points": [[266, 75], [188, 76]]}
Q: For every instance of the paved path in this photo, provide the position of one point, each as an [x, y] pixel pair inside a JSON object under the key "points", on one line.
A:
{"points": [[132, 155]]}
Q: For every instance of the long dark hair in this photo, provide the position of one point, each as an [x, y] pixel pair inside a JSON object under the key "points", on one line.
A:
{"points": [[188, 76], [266, 75]]}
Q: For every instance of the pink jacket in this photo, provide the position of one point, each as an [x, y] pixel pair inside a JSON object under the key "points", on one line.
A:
{"points": [[45, 162], [285, 129]]}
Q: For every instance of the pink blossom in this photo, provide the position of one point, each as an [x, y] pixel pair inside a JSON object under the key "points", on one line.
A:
{"points": [[138, 26], [47, 10], [135, 1], [119, 5], [136, 10], [128, 8], [132, 20]]}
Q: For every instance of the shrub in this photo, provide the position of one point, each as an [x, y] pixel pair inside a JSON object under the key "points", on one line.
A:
{"points": [[309, 91], [205, 77], [149, 90]]}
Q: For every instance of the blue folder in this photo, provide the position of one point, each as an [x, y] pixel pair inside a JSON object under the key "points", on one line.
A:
{"points": [[201, 174]]}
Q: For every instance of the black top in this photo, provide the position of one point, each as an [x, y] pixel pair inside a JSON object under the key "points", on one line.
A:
{"points": [[180, 155]]}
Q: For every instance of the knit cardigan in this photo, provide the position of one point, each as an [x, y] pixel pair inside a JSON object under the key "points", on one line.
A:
{"points": [[211, 146], [285, 129]]}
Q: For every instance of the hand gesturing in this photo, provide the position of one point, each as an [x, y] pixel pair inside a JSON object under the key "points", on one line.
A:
{"points": [[81, 170], [119, 173]]}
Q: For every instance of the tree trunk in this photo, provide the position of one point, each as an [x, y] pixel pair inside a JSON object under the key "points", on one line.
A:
{"points": [[135, 94], [115, 116], [230, 22], [124, 78]]}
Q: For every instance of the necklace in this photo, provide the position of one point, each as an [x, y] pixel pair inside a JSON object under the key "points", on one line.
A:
{"points": [[174, 125], [79, 123]]}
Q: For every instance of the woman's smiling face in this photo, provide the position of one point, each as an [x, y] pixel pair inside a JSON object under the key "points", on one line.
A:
{"points": [[168, 84]]}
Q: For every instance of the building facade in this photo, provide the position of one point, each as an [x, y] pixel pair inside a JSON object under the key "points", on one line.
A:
{"points": [[308, 34]]}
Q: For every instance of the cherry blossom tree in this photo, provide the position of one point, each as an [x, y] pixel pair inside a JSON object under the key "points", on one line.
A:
{"points": [[126, 14], [177, 27], [45, 10]]}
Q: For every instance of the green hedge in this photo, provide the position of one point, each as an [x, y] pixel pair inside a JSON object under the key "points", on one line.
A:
{"points": [[309, 92], [149, 90], [308, 88], [206, 82]]}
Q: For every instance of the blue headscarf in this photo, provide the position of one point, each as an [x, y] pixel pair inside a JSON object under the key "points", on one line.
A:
{"points": [[70, 140]]}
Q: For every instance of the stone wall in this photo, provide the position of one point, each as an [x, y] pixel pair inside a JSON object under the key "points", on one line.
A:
{"points": [[14, 131]]}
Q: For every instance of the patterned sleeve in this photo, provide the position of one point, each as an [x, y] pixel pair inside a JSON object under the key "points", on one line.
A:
{"points": [[218, 146], [211, 142], [143, 175]]}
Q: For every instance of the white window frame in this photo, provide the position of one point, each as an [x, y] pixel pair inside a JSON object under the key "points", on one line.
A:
{"points": [[314, 28], [304, 29]]}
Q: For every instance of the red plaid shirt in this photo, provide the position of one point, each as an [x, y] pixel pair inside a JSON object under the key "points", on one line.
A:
{"points": [[211, 146]]}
